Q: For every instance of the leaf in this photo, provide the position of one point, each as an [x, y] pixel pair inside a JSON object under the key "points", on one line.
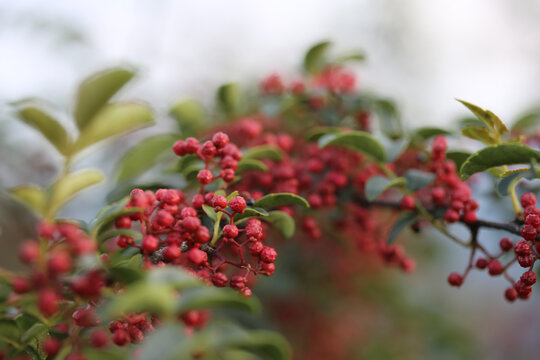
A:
{"points": [[210, 212], [458, 157], [527, 121], [500, 127], [96, 91], [351, 57], [503, 185], [175, 277], [47, 126], [497, 155], [9, 331], [166, 343], [187, 160], [389, 118], [95, 354], [417, 179], [68, 186], [314, 60], [279, 199], [232, 195], [250, 165], [215, 234], [33, 332], [480, 113], [110, 213], [250, 212], [403, 222], [267, 344], [143, 156], [481, 134], [378, 184], [113, 119], [263, 152], [117, 232], [427, 132], [189, 115], [282, 222], [358, 141], [212, 298], [317, 132], [32, 196], [142, 297], [228, 97]]}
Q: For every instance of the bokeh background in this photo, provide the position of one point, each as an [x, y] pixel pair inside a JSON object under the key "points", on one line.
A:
{"points": [[421, 53]]}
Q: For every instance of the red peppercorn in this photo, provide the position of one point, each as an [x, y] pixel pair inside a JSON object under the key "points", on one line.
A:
{"points": [[150, 243], [120, 337], [238, 282], [219, 279], [179, 148], [470, 217], [29, 251], [506, 244], [238, 204], [407, 202], [191, 223], [528, 278], [495, 268], [220, 139], [197, 257], [455, 279], [522, 248], [230, 231], [482, 263], [528, 199], [268, 255], [511, 294], [219, 202], [172, 252], [51, 346], [205, 177], [99, 339], [528, 232], [191, 145]]}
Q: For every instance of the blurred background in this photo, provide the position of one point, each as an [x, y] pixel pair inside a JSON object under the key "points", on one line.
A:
{"points": [[423, 54]]}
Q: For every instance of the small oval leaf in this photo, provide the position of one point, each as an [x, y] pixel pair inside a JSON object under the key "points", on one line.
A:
{"points": [[403, 222], [356, 140], [279, 199], [250, 165], [212, 297], [263, 152], [32, 196], [68, 186], [189, 115], [314, 60], [497, 155]]}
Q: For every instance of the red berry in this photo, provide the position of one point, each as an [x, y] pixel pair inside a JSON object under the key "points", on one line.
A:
{"points": [[20, 285], [525, 261], [533, 220], [528, 278], [230, 231], [219, 279], [198, 201], [48, 302], [59, 262], [150, 243], [136, 336], [120, 337], [511, 294], [451, 216], [482, 263], [506, 244], [191, 223], [45, 228], [267, 268], [179, 148], [407, 202], [219, 202], [528, 232], [51, 346], [470, 217], [246, 292], [172, 252], [495, 268], [238, 204], [238, 282], [522, 248], [268, 255], [207, 150], [164, 218], [197, 257], [99, 339], [202, 235], [205, 177], [220, 139], [455, 279], [255, 248], [86, 317], [188, 212], [29, 251], [124, 241], [191, 318], [528, 199], [438, 194], [191, 145], [227, 175]]}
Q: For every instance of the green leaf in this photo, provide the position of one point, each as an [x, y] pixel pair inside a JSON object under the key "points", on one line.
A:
{"points": [[497, 155], [189, 115], [144, 155], [317, 132], [378, 184], [34, 331], [32, 196], [427, 132], [500, 127], [68, 186], [315, 58], [403, 222], [142, 297], [109, 214], [481, 134], [389, 118], [95, 354], [351, 57], [418, 179], [117, 232], [186, 161], [212, 298], [250, 165], [228, 97], [279, 199], [111, 120], [458, 157], [9, 331], [263, 152], [268, 345], [250, 212], [503, 185], [166, 343], [210, 212], [282, 222], [96, 91], [527, 121], [488, 117], [356, 140], [47, 126], [175, 277], [215, 234], [232, 195]]}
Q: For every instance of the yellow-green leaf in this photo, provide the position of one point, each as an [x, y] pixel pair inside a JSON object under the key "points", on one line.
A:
{"points": [[32, 196], [314, 60], [68, 186], [96, 91], [356, 140], [189, 115], [49, 127], [113, 120], [481, 134]]}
